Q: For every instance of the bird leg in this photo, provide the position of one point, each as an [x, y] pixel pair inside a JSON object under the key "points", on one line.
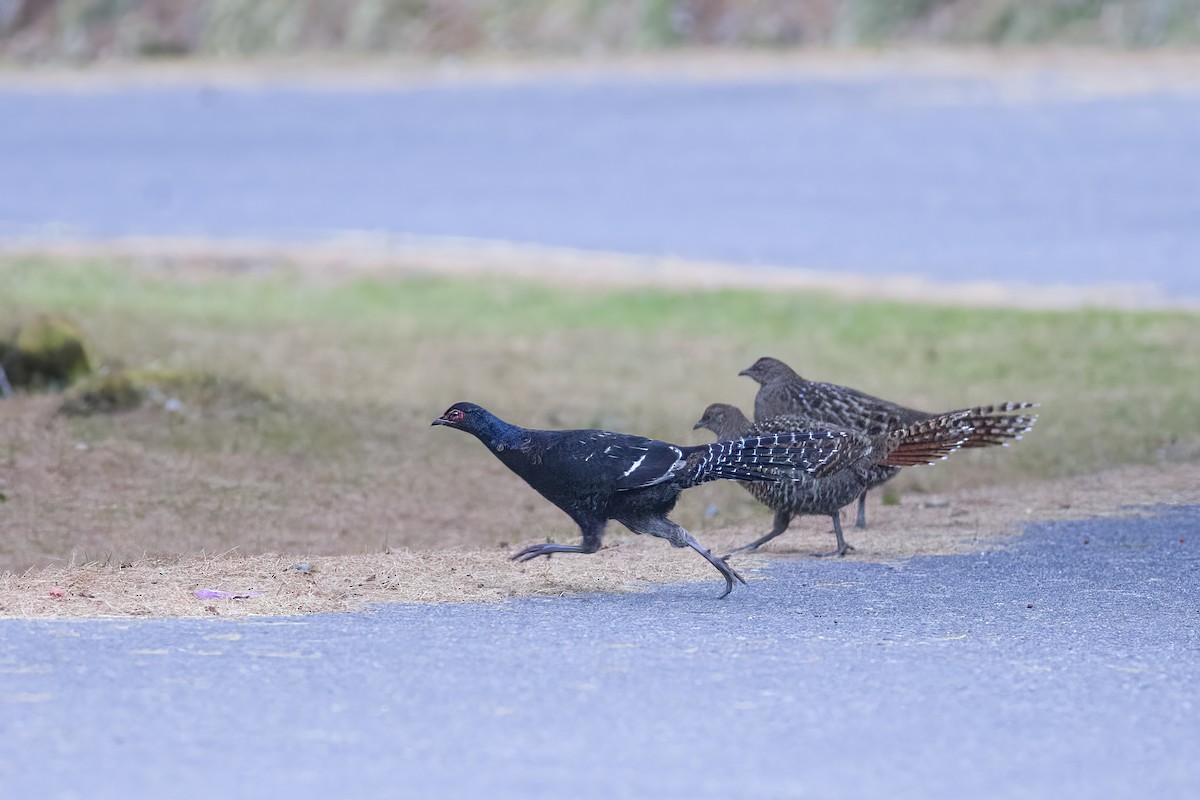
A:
{"points": [[782, 520], [861, 522], [591, 543], [678, 537], [549, 549], [842, 547]]}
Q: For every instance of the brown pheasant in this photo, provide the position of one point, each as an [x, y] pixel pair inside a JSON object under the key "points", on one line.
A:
{"points": [[783, 392], [862, 461]]}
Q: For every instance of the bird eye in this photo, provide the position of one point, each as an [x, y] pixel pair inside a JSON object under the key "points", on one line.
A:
{"points": [[456, 415]]}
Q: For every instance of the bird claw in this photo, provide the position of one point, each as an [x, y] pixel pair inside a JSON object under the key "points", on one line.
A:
{"points": [[730, 577], [533, 551], [841, 551], [746, 548], [530, 553]]}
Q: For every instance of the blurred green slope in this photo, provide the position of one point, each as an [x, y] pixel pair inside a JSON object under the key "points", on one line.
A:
{"points": [[85, 30]]}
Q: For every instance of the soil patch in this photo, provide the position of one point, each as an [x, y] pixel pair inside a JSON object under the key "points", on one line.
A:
{"points": [[959, 521]]}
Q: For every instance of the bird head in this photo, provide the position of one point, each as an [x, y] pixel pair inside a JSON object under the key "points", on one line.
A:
{"points": [[768, 369], [465, 416], [485, 426], [724, 420]]}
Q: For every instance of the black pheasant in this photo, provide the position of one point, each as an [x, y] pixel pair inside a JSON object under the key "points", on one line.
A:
{"points": [[860, 462], [782, 391], [595, 475]]}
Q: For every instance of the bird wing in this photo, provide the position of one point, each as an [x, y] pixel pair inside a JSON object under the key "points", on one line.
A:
{"points": [[614, 461], [844, 453], [643, 462], [833, 404]]}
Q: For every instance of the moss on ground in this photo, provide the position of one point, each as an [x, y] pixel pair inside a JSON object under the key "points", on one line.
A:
{"points": [[46, 351]]}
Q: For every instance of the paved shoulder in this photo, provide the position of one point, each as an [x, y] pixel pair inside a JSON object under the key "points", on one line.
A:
{"points": [[1062, 664]]}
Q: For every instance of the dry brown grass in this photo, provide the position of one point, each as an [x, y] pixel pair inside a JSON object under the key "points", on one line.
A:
{"points": [[337, 465], [958, 521]]}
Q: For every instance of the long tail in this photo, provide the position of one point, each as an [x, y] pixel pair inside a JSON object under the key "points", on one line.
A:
{"points": [[926, 442], [768, 457], [996, 424], [936, 438]]}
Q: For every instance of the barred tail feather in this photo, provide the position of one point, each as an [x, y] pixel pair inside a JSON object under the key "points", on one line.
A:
{"points": [[926, 442], [993, 425], [763, 474], [770, 457]]}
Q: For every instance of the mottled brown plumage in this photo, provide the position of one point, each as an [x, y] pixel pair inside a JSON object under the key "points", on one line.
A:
{"points": [[784, 392], [860, 462]]}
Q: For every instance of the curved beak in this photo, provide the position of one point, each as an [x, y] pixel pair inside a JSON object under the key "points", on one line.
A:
{"points": [[698, 425], [438, 421], [744, 373]]}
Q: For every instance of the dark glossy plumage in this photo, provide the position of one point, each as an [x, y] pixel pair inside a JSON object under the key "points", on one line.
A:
{"points": [[859, 462], [782, 391], [596, 475]]}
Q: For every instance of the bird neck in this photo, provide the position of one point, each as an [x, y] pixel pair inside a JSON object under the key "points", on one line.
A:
{"points": [[499, 435], [733, 425]]}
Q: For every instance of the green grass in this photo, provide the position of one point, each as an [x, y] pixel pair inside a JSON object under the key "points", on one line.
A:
{"points": [[312, 434], [1116, 387]]}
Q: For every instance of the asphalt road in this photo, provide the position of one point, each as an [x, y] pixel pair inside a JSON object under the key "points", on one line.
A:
{"points": [[1064, 663], [951, 179], [1047, 668]]}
